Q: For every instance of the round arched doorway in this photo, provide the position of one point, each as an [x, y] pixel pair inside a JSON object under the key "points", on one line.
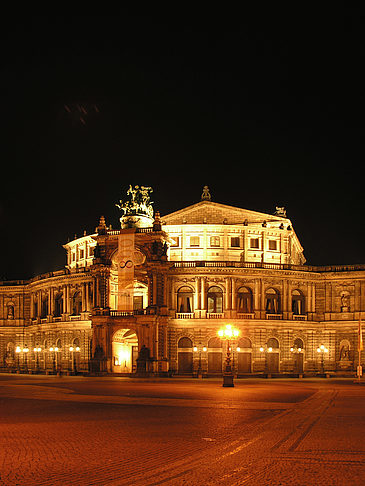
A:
{"points": [[125, 351]]}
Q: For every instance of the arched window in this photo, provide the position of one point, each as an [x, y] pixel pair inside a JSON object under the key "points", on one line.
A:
{"points": [[185, 300], [76, 303], [214, 342], [272, 343], [244, 300], [298, 343], [244, 342], [58, 307], [297, 302], [272, 301], [215, 300], [185, 342], [44, 306]]}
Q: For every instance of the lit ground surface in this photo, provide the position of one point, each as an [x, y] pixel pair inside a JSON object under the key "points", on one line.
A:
{"points": [[116, 431]]}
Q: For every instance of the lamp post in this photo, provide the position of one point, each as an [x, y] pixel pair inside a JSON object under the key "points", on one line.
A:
{"points": [[322, 350], [25, 354], [199, 349], [296, 352], [73, 350], [264, 349], [226, 334], [18, 351], [53, 350], [37, 350]]}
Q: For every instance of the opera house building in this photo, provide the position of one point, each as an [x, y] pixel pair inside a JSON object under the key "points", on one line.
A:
{"points": [[149, 299]]}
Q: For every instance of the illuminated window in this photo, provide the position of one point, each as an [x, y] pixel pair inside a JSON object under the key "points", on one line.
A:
{"points": [[235, 242], [215, 300], [215, 241], [176, 242], [194, 241], [244, 300], [272, 304], [254, 243], [185, 300], [137, 302], [273, 245]]}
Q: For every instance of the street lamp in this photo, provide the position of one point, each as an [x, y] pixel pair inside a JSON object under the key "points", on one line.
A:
{"points": [[25, 354], [37, 350], [226, 334], [18, 351], [54, 349], [296, 352], [323, 350], [73, 350], [199, 349]]}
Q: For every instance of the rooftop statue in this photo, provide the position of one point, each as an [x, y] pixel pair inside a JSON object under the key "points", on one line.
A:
{"points": [[139, 202], [206, 194], [280, 211]]}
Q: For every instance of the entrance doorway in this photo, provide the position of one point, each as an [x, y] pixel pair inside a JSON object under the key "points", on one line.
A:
{"points": [[125, 351], [185, 356], [215, 355]]}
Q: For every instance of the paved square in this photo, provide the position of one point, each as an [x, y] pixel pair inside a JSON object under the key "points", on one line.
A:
{"points": [[118, 431]]}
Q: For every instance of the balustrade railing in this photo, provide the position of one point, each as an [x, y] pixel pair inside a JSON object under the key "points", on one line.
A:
{"points": [[268, 266]]}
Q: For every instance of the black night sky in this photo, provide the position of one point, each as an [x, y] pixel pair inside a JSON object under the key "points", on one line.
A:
{"points": [[266, 112]]}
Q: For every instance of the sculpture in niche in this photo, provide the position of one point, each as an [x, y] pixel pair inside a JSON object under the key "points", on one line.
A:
{"points": [[10, 314], [345, 301], [345, 352]]}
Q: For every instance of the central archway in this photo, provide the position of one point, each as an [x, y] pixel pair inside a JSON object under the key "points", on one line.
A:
{"points": [[125, 351]]}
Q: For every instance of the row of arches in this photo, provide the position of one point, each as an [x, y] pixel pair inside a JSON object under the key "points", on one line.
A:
{"points": [[242, 355], [42, 308], [244, 300]]}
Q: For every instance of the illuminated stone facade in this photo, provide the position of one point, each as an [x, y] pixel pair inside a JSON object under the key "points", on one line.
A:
{"points": [[190, 273]]}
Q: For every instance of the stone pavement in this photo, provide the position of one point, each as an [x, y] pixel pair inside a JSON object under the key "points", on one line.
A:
{"points": [[96, 431]]}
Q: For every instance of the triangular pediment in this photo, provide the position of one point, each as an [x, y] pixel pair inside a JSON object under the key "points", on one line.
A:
{"points": [[215, 213]]}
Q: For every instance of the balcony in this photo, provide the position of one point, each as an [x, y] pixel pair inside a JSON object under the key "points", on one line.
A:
{"points": [[184, 315], [245, 315], [274, 317], [215, 315]]}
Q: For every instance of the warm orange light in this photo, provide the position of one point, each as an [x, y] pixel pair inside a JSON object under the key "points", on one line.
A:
{"points": [[227, 332]]}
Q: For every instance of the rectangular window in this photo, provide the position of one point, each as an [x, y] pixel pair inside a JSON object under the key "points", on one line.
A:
{"points": [[194, 241], [176, 241], [235, 242], [215, 241], [73, 256], [273, 245], [254, 243], [81, 254], [137, 302]]}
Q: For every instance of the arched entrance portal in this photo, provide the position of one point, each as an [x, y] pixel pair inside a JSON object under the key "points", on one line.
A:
{"points": [[125, 351]]}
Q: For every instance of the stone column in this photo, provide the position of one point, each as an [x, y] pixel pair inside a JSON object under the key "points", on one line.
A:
{"points": [[228, 294], [233, 283], [83, 297], [202, 293], [196, 294], [39, 303], [154, 289], [51, 302], [31, 305]]}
